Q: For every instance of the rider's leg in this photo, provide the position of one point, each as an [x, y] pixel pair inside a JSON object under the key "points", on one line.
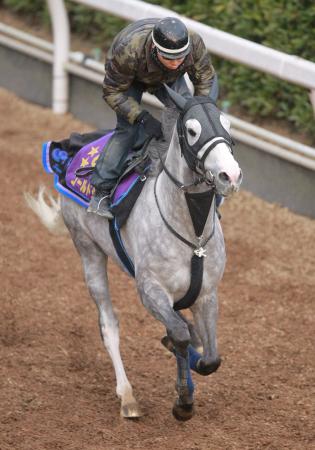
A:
{"points": [[111, 161], [110, 165]]}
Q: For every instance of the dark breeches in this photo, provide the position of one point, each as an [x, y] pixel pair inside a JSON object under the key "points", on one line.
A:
{"points": [[111, 161]]}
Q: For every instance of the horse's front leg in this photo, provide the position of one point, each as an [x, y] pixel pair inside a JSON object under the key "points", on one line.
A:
{"points": [[158, 303], [184, 405], [205, 312]]}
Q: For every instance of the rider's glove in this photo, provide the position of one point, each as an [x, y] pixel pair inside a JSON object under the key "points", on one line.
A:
{"points": [[152, 126]]}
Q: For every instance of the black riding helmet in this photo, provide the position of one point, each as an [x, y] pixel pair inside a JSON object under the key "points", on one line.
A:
{"points": [[171, 39]]}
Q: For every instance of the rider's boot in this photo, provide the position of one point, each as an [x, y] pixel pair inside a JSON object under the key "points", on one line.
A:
{"points": [[100, 204]]}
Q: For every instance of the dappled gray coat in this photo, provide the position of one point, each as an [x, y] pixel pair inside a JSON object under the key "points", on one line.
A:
{"points": [[129, 60]]}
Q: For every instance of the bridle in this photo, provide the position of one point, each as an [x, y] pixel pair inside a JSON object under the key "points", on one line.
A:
{"points": [[198, 167], [190, 154]]}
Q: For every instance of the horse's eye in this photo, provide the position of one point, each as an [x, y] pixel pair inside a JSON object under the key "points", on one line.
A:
{"points": [[193, 131]]}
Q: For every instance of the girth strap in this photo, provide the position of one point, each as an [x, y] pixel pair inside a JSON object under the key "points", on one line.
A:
{"points": [[119, 247], [195, 284]]}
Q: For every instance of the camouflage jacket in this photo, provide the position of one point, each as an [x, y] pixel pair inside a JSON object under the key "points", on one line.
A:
{"points": [[129, 60]]}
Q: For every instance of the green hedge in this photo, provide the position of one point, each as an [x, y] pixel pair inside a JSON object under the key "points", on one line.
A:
{"points": [[286, 25], [96, 26]]}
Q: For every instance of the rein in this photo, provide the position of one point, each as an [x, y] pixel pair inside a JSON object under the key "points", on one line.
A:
{"points": [[180, 185], [199, 250]]}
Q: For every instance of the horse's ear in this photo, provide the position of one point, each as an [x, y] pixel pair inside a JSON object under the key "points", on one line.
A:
{"points": [[178, 99]]}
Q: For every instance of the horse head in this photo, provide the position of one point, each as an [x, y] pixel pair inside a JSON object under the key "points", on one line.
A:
{"points": [[206, 143]]}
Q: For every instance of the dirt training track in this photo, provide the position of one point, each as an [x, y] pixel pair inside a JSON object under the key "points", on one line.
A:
{"points": [[57, 386]]}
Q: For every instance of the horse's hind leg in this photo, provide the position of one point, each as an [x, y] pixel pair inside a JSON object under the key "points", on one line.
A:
{"points": [[94, 265]]}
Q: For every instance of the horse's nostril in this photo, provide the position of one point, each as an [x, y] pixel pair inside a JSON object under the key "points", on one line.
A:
{"points": [[223, 176], [240, 177]]}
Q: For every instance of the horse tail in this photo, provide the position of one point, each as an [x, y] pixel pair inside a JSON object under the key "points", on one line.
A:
{"points": [[49, 215]]}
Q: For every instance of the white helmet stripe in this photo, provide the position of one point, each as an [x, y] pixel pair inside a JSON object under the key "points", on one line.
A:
{"points": [[169, 50]]}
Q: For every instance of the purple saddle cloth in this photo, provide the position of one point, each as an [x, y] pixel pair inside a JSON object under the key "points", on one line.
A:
{"points": [[73, 171]]}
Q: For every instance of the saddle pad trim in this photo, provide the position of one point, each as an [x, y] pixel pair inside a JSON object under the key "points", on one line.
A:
{"points": [[57, 185], [67, 193], [45, 157]]}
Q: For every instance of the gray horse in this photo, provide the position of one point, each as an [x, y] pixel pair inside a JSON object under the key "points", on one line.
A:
{"points": [[177, 250]]}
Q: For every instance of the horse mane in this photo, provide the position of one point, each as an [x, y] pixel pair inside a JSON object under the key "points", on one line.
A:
{"points": [[168, 119]]}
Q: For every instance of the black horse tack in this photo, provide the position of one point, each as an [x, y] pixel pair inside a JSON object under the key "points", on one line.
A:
{"points": [[198, 250], [199, 204]]}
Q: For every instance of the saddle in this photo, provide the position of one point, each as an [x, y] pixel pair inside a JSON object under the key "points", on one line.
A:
{"points": [[72, 161]]}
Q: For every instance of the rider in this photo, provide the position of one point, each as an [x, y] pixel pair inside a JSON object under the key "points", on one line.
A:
{"points": [[144, 55]]}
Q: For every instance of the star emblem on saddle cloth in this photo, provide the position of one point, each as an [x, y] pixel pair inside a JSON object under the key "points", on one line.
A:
{"points": [[93, 151], [84, 162], [93, 164], [201, 252]]}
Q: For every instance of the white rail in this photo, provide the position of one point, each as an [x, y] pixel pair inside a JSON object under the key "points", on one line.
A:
{"points": [[76, 63], [61, 33]]}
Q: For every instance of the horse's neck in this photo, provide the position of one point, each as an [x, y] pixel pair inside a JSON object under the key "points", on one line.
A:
{"points": [[172, 199]]}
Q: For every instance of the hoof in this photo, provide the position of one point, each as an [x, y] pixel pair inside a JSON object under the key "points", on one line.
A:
{"points": [[183, 412], [206, 369], [130, 411]]}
